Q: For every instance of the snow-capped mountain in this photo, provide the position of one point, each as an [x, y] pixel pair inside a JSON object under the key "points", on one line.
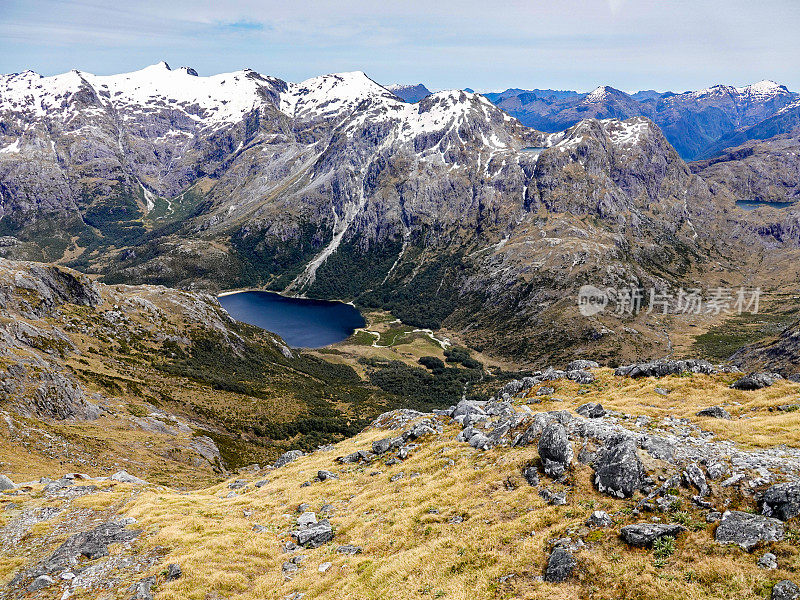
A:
{"points": [[334, 187]]}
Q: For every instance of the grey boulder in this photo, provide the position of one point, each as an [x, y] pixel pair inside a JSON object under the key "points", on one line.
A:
{"points": [[559, 566], [715, 412], [644, 535], [531, 476], [125, 477], [174, 572], [599, 518], [782, 501], [555, 450], [314, 535], [756, 381], [383, 446], [768, 561], [747, 530], [591, 410], [6, 483], [785, 590], [618, 470], [581, 376], [287, 457]]}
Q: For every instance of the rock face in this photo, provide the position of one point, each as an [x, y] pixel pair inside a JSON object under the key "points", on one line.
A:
{"points": [[618, 470], [781, 353], [782, 501], [645, 534], [747, 530], [761, 170], [555, 450], [6, 483], [559, 566], [409, 93]]}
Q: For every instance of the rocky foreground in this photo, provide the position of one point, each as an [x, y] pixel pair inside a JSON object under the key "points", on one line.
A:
{"points": [[660, 480]]}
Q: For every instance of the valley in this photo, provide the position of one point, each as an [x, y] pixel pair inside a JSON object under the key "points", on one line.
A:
{"points": [[267, 339]]}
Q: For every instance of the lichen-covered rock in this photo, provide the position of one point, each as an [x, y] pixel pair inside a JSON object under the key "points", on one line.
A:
{"points": [[785, 590], [716, 412], [747, 530], [555, 450], [662, 368], [618, 470], [560, 565], [756, 381], [782, 501], [644, 535]]}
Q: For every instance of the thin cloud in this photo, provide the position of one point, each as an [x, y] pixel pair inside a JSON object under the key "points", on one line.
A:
{"points": [[450, 43]]}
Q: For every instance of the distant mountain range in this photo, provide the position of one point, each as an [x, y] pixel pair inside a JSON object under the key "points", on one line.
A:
{"points": [[699, 124], [449, 212]]}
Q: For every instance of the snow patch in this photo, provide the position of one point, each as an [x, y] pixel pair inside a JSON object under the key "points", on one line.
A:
{"points": [[11, 148]]}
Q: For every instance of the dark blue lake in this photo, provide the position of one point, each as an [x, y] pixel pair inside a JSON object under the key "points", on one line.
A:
{"points": [[303, 323], [753, 204]]}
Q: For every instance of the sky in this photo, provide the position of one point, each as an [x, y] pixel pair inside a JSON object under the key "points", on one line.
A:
{"points": [[486, 45]]}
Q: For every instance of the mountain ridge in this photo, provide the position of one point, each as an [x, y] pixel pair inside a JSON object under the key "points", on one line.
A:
{"points": [[447, 211]]}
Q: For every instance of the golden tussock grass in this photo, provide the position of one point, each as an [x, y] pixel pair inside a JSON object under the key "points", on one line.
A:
{"points": [[460, 521]]}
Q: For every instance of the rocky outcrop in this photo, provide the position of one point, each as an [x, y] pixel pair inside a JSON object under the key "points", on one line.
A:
{"points": [[287, 457], [662, 368], [91, 545]]}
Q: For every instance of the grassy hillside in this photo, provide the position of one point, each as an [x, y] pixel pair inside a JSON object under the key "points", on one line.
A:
{"points": [[448, 522]]}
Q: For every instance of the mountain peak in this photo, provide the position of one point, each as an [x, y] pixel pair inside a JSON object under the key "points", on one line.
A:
{"points": [[763, 89], [601, 93]]}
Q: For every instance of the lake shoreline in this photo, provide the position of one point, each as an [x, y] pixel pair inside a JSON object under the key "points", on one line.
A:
{"points": [[301, 322], [224, 293]]}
